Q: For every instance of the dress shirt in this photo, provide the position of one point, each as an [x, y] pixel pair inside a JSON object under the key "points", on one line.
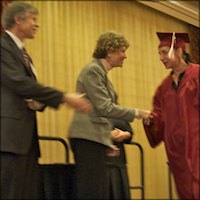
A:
{"points": [[20, 45]]}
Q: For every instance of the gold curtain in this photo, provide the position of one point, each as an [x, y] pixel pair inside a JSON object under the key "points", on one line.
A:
{"points": [[65, 43]]}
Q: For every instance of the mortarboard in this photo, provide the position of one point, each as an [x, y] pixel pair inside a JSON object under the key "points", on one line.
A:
{"points": [[180, 39]]}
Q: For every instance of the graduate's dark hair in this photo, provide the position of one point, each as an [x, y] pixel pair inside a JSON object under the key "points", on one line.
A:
{"points": [[186, 57]]}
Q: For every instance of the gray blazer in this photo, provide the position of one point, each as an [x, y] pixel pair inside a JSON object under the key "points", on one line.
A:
{"points": [[18, 122], [96, 126]]}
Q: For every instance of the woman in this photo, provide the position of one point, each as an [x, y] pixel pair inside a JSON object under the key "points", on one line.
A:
{"points": [[90, 134]]}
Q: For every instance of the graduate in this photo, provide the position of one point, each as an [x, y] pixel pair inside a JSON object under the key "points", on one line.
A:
{"points": [[175, 115]]}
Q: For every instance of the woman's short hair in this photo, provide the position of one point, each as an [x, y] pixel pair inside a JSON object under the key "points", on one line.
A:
{"points": [[16, 9], [109, 41]]}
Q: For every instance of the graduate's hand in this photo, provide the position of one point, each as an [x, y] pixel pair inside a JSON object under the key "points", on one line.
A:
{"points": [[78, 102], [148, 120], [143, 114], [34, 105], [119, 135]]}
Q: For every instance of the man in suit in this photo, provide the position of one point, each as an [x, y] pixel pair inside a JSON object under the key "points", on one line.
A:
{"points": [[90, 134], [21, 96]]}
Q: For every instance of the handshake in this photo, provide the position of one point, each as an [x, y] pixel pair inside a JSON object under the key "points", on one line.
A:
{"points": [[74, 100]]}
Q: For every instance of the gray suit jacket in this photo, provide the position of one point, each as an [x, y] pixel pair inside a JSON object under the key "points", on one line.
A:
{"points": [[96, 126], [18, 122]]}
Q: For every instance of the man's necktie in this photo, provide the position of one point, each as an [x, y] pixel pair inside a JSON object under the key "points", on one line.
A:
{"points": [[27, 58], [28, 61]]}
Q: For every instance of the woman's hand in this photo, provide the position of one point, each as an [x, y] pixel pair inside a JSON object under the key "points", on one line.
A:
{"points": [[119, 135]]}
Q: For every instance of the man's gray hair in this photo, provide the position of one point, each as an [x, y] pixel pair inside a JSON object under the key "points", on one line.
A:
{"points": [[16, 9]]}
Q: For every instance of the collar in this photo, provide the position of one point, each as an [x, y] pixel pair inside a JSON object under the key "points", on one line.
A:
{"points": [[174, 85], [17, 41], [105, 64], [181, 74]]}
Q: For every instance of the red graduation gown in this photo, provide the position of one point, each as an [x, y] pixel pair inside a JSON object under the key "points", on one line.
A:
{"points": [[176, 122]]}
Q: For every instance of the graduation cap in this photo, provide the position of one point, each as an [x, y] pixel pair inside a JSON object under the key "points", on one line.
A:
{"points": [[177, 39]]}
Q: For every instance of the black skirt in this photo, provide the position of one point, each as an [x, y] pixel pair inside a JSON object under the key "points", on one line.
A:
{"points": [[118, 182]]}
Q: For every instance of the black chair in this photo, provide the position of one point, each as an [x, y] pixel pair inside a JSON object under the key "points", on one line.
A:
{"points": [[141, 186], [170, 183], [56, 180]]}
